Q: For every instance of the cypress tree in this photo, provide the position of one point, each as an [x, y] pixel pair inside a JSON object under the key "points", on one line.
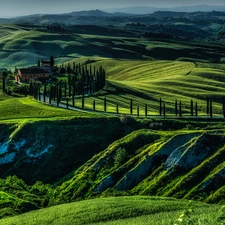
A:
{"points": [[60, 92], [131, 106], [146, 110], [50, 95], [52, 62], [82, 101], [176, 108], [160, 107], [207, 106], [82, 91], [210, 108], [196, 109], [138, 111], [180, 111], [164, 109], [44, 94], [192, 108], [65, 87], [223, 107], [105, 104]]}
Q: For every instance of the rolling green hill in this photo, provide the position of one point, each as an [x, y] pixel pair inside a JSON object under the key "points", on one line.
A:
{"points": [[146, 81], [124, 210], [22, 45], [79, 155]]}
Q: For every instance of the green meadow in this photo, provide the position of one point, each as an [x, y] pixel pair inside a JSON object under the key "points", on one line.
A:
{"points": [[124, 210], [26, 108], [85, 148], [146, 81]]}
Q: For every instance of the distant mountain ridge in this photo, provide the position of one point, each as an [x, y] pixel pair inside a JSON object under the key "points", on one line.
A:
{"points": [[148, 10]]}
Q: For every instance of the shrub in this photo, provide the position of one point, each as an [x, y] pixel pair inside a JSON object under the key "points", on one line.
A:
{"points": [[120, 156]]}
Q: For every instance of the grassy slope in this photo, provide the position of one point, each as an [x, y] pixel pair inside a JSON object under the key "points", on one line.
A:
{"points": [[22, 109], [23, 46], [143, 81], [146, 81], [124, 210]]}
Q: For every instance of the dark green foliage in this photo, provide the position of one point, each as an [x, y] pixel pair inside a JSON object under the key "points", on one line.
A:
{"points": [[131, 106], [44, 94], [120, 156], [192, 108], [223, 107], [210, 108], [160, 107], [176, 108], [52, 61], [138, 111], [105, 104], [196, 109], [4, 75], [164, 109], [180, 109], [207, 106]]}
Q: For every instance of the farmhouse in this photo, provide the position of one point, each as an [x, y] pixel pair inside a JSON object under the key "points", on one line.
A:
{"points": [[25, 74]]}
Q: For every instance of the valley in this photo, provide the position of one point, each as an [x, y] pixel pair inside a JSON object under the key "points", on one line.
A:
{"points": [[103, 165]]}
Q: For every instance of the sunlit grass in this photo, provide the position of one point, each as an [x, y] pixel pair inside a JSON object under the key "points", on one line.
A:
{"points": [[122, 211]]}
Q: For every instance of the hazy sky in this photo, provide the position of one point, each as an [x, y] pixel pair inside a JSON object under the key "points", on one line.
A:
{"points": [[9, 8]]}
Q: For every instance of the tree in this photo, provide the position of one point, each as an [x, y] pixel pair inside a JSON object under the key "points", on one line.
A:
{"points": [[210, 108], [4, 75], [223, 107], [44, 94], [196, 109], [146, 110], [180, 111], [160, 107], [176, 108], [120, 156], [207, 105], [164, 109], [105, 102], [131, 106], [192, 108], [138, 111], [52, 62]]}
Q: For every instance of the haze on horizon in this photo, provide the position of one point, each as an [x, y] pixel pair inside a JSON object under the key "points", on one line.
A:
{"points": [[13, 8]]}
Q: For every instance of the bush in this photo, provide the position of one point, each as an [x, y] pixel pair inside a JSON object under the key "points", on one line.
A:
{"points": [[120, 156]]}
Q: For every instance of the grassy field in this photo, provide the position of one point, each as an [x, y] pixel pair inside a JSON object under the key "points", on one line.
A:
{"points": [[146, 81], [24, 45], [140, 69], [18, 109], [124, 210]]}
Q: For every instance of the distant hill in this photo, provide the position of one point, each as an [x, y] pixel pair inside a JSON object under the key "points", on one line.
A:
{"points": [[90, 13], [148, 10]]}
